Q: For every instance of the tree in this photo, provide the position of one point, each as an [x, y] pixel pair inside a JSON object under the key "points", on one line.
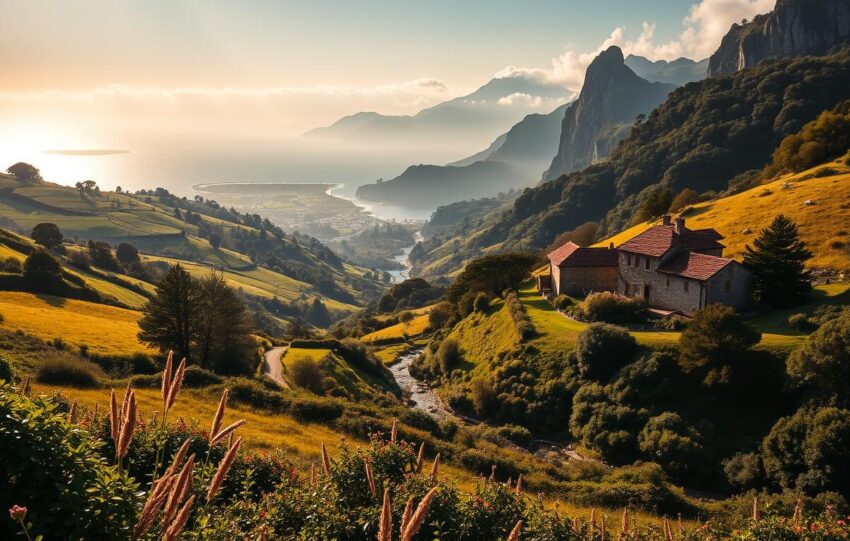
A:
{"points": [[215, 240], [101, 255], [602, 349], [127, 254], [492, 274], [306, 373], [406, 318], [42, 272], [168, 317], [821, 365], [25, 172], [676, 445], [778, 264], [715, 338], [656, 203], [47, 234], [440, 315], [222, 328], [318, 313], [683, 199]]}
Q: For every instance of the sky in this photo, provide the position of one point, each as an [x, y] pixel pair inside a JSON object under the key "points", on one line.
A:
{"points": [[111, 72]]}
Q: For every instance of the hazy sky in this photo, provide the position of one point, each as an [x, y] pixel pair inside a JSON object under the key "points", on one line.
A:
{"points": [[84, 67]]}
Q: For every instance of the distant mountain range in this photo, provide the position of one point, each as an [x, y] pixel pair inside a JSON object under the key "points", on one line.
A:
{"points": [[678, 72], [481, 115]]}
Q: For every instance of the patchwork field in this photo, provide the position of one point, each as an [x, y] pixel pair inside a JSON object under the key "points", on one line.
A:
{"points": [[104, 329], [414, 328], [818, 200]]}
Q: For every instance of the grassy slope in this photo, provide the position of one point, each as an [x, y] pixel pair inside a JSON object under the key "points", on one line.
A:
{"points": [[416, 327], [353, 381], [824, 226], [104, 329]]}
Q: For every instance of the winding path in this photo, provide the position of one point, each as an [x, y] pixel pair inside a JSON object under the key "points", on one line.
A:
{"points": [[272, 366]]}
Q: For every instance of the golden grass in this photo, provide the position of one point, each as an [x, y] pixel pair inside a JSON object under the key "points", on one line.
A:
{"points": [[104, 329], [824, 224], [416, 327]]}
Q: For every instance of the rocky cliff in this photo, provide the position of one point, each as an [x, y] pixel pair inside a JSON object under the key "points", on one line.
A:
{"points": [[793, 28], [612, 97]]}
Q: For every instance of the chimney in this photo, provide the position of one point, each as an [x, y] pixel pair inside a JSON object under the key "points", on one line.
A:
{"points": [[610, 245], [680, 225], [665, 220]]}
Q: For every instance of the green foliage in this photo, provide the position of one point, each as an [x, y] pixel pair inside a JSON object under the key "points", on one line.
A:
{"points": [[778, 262], [821, 365], [55, 469], [823, 139], [676, 445], [744, 471], [6, 372], [714, 340], [656, 202], [492, 274], [101, 255], [484, 397], [601, 423], [522, 323], [602, 349], [562, 302], [47, 235], [807, 451], [684, 199], [69, 372], [127, 253], [25, 172], [306, 373], [608, 307], [42, 272], [440, 315], [409, 294], [448, 355], [481, 303]]}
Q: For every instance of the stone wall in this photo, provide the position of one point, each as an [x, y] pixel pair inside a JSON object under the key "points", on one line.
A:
{"points": [[740, 286], [580, 281]]}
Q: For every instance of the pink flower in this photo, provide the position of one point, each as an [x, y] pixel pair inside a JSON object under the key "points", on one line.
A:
{"points": [[17, 512]]}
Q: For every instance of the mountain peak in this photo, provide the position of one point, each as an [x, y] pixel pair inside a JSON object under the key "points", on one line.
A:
{"points": [[613, 56]]}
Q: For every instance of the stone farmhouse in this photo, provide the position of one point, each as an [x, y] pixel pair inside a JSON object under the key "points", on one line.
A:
{"points": [[675, 269]]}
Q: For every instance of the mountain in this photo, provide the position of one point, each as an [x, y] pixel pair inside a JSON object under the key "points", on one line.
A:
{"points": [[793, 28], [514, 160], [707, 136], [678, 72], [610, 100], [481, 115]]}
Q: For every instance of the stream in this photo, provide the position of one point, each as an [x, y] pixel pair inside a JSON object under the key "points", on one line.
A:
{"points": [[403, 258], [421, 396]]}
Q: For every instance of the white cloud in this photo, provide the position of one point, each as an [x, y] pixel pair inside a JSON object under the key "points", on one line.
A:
{"points": [[702, 30], [521, 98]]}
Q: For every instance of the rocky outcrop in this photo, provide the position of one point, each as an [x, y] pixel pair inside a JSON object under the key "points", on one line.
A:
{"points": [[793, 28], [612, 96]]}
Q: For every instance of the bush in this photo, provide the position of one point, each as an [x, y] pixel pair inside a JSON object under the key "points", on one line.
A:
{"points": [[602, 349], [800, 322], [6, 373], [69, 372], [56, 471], [511, 433], [306, 373], [81, 260], [484, 397], [522, 323], [12, 265], [609, 307], [448, 355], [562, 302], [482, 302]]}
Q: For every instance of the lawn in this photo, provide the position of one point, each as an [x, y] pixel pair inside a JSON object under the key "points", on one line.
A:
{"points": [[104, 329]]}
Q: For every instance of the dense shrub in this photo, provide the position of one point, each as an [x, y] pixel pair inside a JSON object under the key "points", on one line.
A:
{"points": [[677, 446], [562, 302], [448, 355], [57, 472], [484, 397], [6, 373], [602, 349], [70, 372], [11, 264], [821, 366], [609, 307], [306, 372], [522, 323], [482, 302]]}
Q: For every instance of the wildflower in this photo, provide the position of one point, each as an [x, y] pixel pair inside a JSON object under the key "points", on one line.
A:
{"points": [[18, 513], [418, 517], [223, 468]]}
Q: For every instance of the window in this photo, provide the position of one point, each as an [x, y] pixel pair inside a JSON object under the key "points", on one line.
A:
{"points": [[637, 261], [629, 260], [647, 263], [686, 285], [728, 287]]}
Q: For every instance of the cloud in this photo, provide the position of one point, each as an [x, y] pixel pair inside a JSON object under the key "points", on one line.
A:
{"points": [[702, 30], [521, 97]]}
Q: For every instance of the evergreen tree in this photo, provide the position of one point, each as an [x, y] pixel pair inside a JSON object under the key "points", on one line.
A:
{"points": [[778, 264], [168, 321], [223, 328]]}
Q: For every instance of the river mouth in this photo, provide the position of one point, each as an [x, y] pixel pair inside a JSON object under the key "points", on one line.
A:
{"points": [[420, 395]]}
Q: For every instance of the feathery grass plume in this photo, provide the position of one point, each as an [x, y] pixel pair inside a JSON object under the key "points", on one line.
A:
{"points": [[176, 383], [514, 535], [24, 387], [226, 431], [624, 525], [420, 458], [602, 527], [223, 468], [313, 474], [370, 478], [756, 510], [166, 379], [385, 526], [128, 427], [394, 432], [113, 418], [326, 461], [72, 412], [219, 415], [408, 512], [592, 522], [159, 491], [179, 488], [179, 457], [179, 521], [493, 472], [510, 482], [418, 517], [681, 525], [798, 512], [125, 401], [519, 486], [668, 533], [435, 468]]}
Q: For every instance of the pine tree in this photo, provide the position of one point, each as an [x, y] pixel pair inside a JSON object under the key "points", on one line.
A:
{"points": [[168, 321], [223, 338], [778, 264]]}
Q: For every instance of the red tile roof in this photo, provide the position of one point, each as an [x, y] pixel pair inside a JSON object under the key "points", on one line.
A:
{"points": [[573, 255], [656, 240], [695, 266]]}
